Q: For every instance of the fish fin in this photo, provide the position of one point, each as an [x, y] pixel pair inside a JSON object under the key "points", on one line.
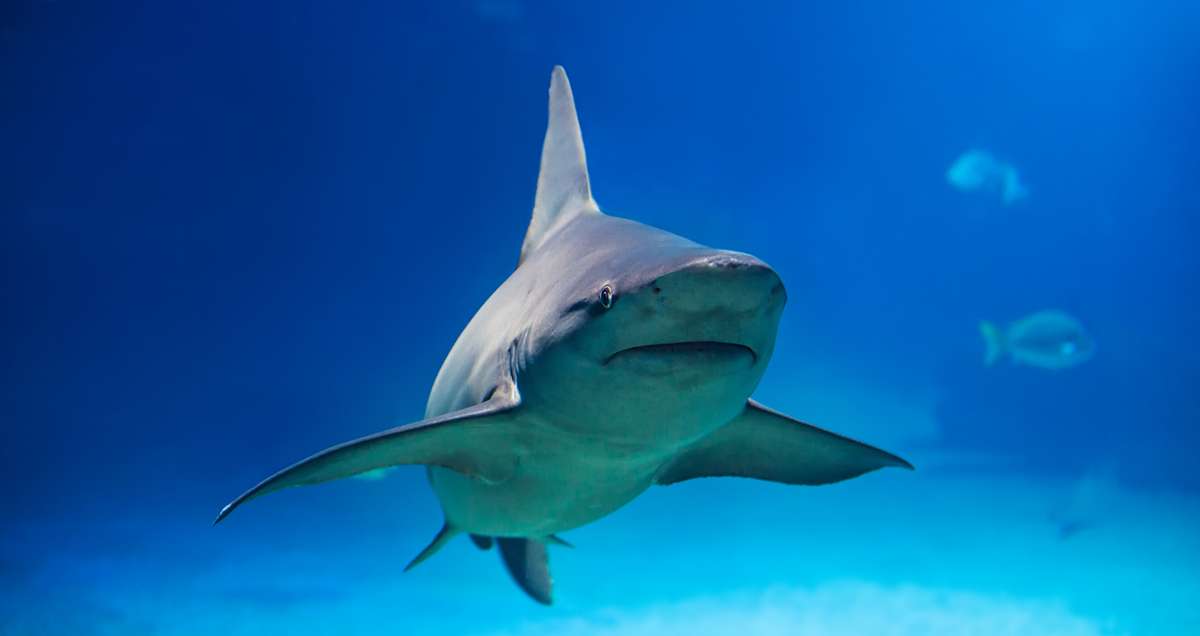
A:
{"points": [[461, 440], [563, 189], [483, 542], [557, 540], [993, 340], [765, 444], [439, 541], [529, 565], [1012, 190]]}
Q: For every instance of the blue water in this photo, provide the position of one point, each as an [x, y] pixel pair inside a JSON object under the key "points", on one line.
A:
{"points": [[235, 234]]}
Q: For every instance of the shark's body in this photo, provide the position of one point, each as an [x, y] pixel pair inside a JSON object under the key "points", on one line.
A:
{"points": [[617, 356]]}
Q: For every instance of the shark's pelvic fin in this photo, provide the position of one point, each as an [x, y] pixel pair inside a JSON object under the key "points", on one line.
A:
{"points": [[529, 565], [563, 190], [765, 444], [461, 440], [439, 541], [483, 542]]}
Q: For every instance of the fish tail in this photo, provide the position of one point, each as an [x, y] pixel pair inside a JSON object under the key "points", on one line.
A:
{"points": [[1013, 189], [993, 340]]}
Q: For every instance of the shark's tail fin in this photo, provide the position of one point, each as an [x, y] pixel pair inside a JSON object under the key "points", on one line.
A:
{"points": [[993, 340]]}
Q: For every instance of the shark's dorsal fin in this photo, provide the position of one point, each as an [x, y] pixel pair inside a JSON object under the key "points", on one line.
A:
{"points": [[563, 191]]}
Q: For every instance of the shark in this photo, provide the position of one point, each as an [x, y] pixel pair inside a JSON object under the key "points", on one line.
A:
{"points": [[617, 356]]}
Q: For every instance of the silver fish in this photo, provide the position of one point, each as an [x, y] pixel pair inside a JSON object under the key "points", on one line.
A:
{"points": [[1048, 339], [981, 171]]}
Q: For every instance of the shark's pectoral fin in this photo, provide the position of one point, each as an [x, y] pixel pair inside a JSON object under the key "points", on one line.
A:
{"points": [[465, 440], [765, 444], [529, 565]]}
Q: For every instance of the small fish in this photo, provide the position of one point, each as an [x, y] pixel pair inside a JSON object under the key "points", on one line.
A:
{"points": [[1047, 339], [979, 170]]}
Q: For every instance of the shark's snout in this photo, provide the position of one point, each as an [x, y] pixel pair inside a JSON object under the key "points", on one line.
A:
{"points": [[721, 282]]}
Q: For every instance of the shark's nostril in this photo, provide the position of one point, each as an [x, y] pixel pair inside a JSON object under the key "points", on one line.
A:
{"points": [[733, 261], [718, 281]]}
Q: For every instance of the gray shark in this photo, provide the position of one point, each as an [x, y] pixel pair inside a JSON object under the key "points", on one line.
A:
{"points": [[617, 356]]}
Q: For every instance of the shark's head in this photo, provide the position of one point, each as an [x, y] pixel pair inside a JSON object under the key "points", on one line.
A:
{"points": [[630, 332], [650, 328]]}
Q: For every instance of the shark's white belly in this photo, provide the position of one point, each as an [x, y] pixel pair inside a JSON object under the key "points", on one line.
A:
{"points": [[555, 487]]}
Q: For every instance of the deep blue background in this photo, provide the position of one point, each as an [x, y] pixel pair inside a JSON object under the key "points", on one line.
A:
{"points": [[232, 234]]}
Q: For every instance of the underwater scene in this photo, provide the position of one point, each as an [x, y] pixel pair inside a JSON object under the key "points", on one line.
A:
{"points": [[600, 319]]}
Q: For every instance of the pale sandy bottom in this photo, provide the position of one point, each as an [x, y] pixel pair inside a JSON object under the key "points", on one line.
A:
{"points": [[892, 553]]}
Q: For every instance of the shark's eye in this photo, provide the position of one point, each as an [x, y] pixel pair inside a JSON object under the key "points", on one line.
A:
{"points": [[606, 296]]}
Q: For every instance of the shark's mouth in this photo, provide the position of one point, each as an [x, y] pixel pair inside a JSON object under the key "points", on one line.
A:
{"points": [[690, 348]]}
